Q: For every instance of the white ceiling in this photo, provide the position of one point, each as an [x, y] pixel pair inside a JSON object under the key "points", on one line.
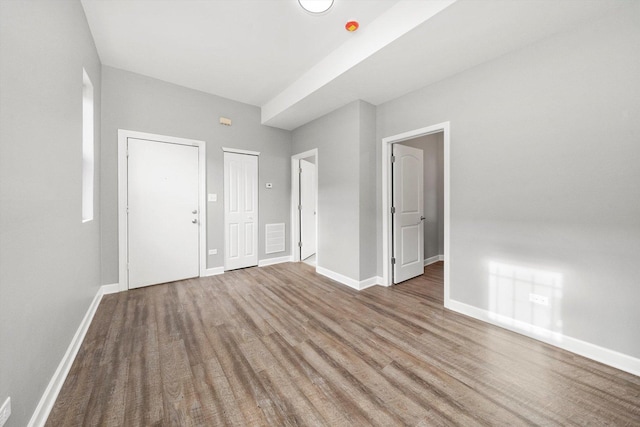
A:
{"points": [[297, 66], [246, 50]]}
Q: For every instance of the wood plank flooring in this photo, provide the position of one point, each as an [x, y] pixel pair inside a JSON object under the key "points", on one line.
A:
{"points": [[281, 345]]}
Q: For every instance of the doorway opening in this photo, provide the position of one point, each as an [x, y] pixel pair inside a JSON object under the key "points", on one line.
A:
{"points": [[304, 207], [389, 239]]}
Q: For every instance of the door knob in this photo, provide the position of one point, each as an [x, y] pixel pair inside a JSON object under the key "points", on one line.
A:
{"points": [[195, 221], [194, 211], [421, 218]]}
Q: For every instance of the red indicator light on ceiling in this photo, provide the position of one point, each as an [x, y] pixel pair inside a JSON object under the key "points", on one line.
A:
{"points": [[351, 26]]}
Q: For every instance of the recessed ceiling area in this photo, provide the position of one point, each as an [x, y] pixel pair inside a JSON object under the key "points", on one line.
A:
{"points": [[298, 66]]}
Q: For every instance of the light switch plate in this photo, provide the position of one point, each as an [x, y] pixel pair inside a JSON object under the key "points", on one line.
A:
{"points": [[213, 252], [212, 198]]}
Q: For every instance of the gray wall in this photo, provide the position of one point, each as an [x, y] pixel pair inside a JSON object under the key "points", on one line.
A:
{"points": [[337, 138], [346, 145], [545, 169], [135, 102], [49, 259], [367, 207], [433, 185]]}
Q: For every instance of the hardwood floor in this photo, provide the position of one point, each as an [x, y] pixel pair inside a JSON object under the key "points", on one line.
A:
{"points": [[280, 345]]}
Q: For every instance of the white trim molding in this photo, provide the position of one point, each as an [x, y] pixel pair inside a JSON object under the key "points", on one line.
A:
{"points": [[371, 281], [239, 151], [213, 271], [272, 261], [352, 283], [40, 415], [387, 240], [591, 351], [433, 259], [123, 178], [113, 288], [261, 263]]}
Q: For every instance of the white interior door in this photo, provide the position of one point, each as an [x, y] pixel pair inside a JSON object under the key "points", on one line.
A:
{"points": [[408, 193], [240, 210], [163, 214], [307, 209]]}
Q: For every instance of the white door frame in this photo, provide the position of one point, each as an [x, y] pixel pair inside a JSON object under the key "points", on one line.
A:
{"points": [[123, 178], [295, 201], [387, 238]]}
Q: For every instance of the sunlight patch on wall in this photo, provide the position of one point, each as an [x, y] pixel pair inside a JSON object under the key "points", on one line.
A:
{"points": [[525, 298]]}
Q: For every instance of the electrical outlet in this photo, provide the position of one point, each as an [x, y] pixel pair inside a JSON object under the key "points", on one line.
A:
{"points": [[539, 299], [5, 411]]}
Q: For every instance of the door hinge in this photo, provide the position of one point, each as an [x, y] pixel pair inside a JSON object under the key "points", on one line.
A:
{"points": [[393, 209], [393, 261], [393, 159], [299, 170], [299, 207], [299, 244]]}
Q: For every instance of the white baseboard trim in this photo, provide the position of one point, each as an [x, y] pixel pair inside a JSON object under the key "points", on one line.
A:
{"points": [[352, 283], [433, 259], [113, 288], [371, 281], [213, 271], [40, 415], [609, 357], [271, 261]]}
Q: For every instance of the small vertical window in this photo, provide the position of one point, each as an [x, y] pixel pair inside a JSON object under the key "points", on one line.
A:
{"points": [[87, 147]]}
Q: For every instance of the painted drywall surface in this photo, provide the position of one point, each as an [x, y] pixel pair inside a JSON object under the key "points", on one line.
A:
{"points": [[544, 176], [139, 103], [433, 159], [336, 136], [49, 259], [368, 215]]}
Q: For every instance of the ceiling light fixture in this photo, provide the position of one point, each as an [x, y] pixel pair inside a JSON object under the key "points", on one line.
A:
{"points": [[316, 7]]}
